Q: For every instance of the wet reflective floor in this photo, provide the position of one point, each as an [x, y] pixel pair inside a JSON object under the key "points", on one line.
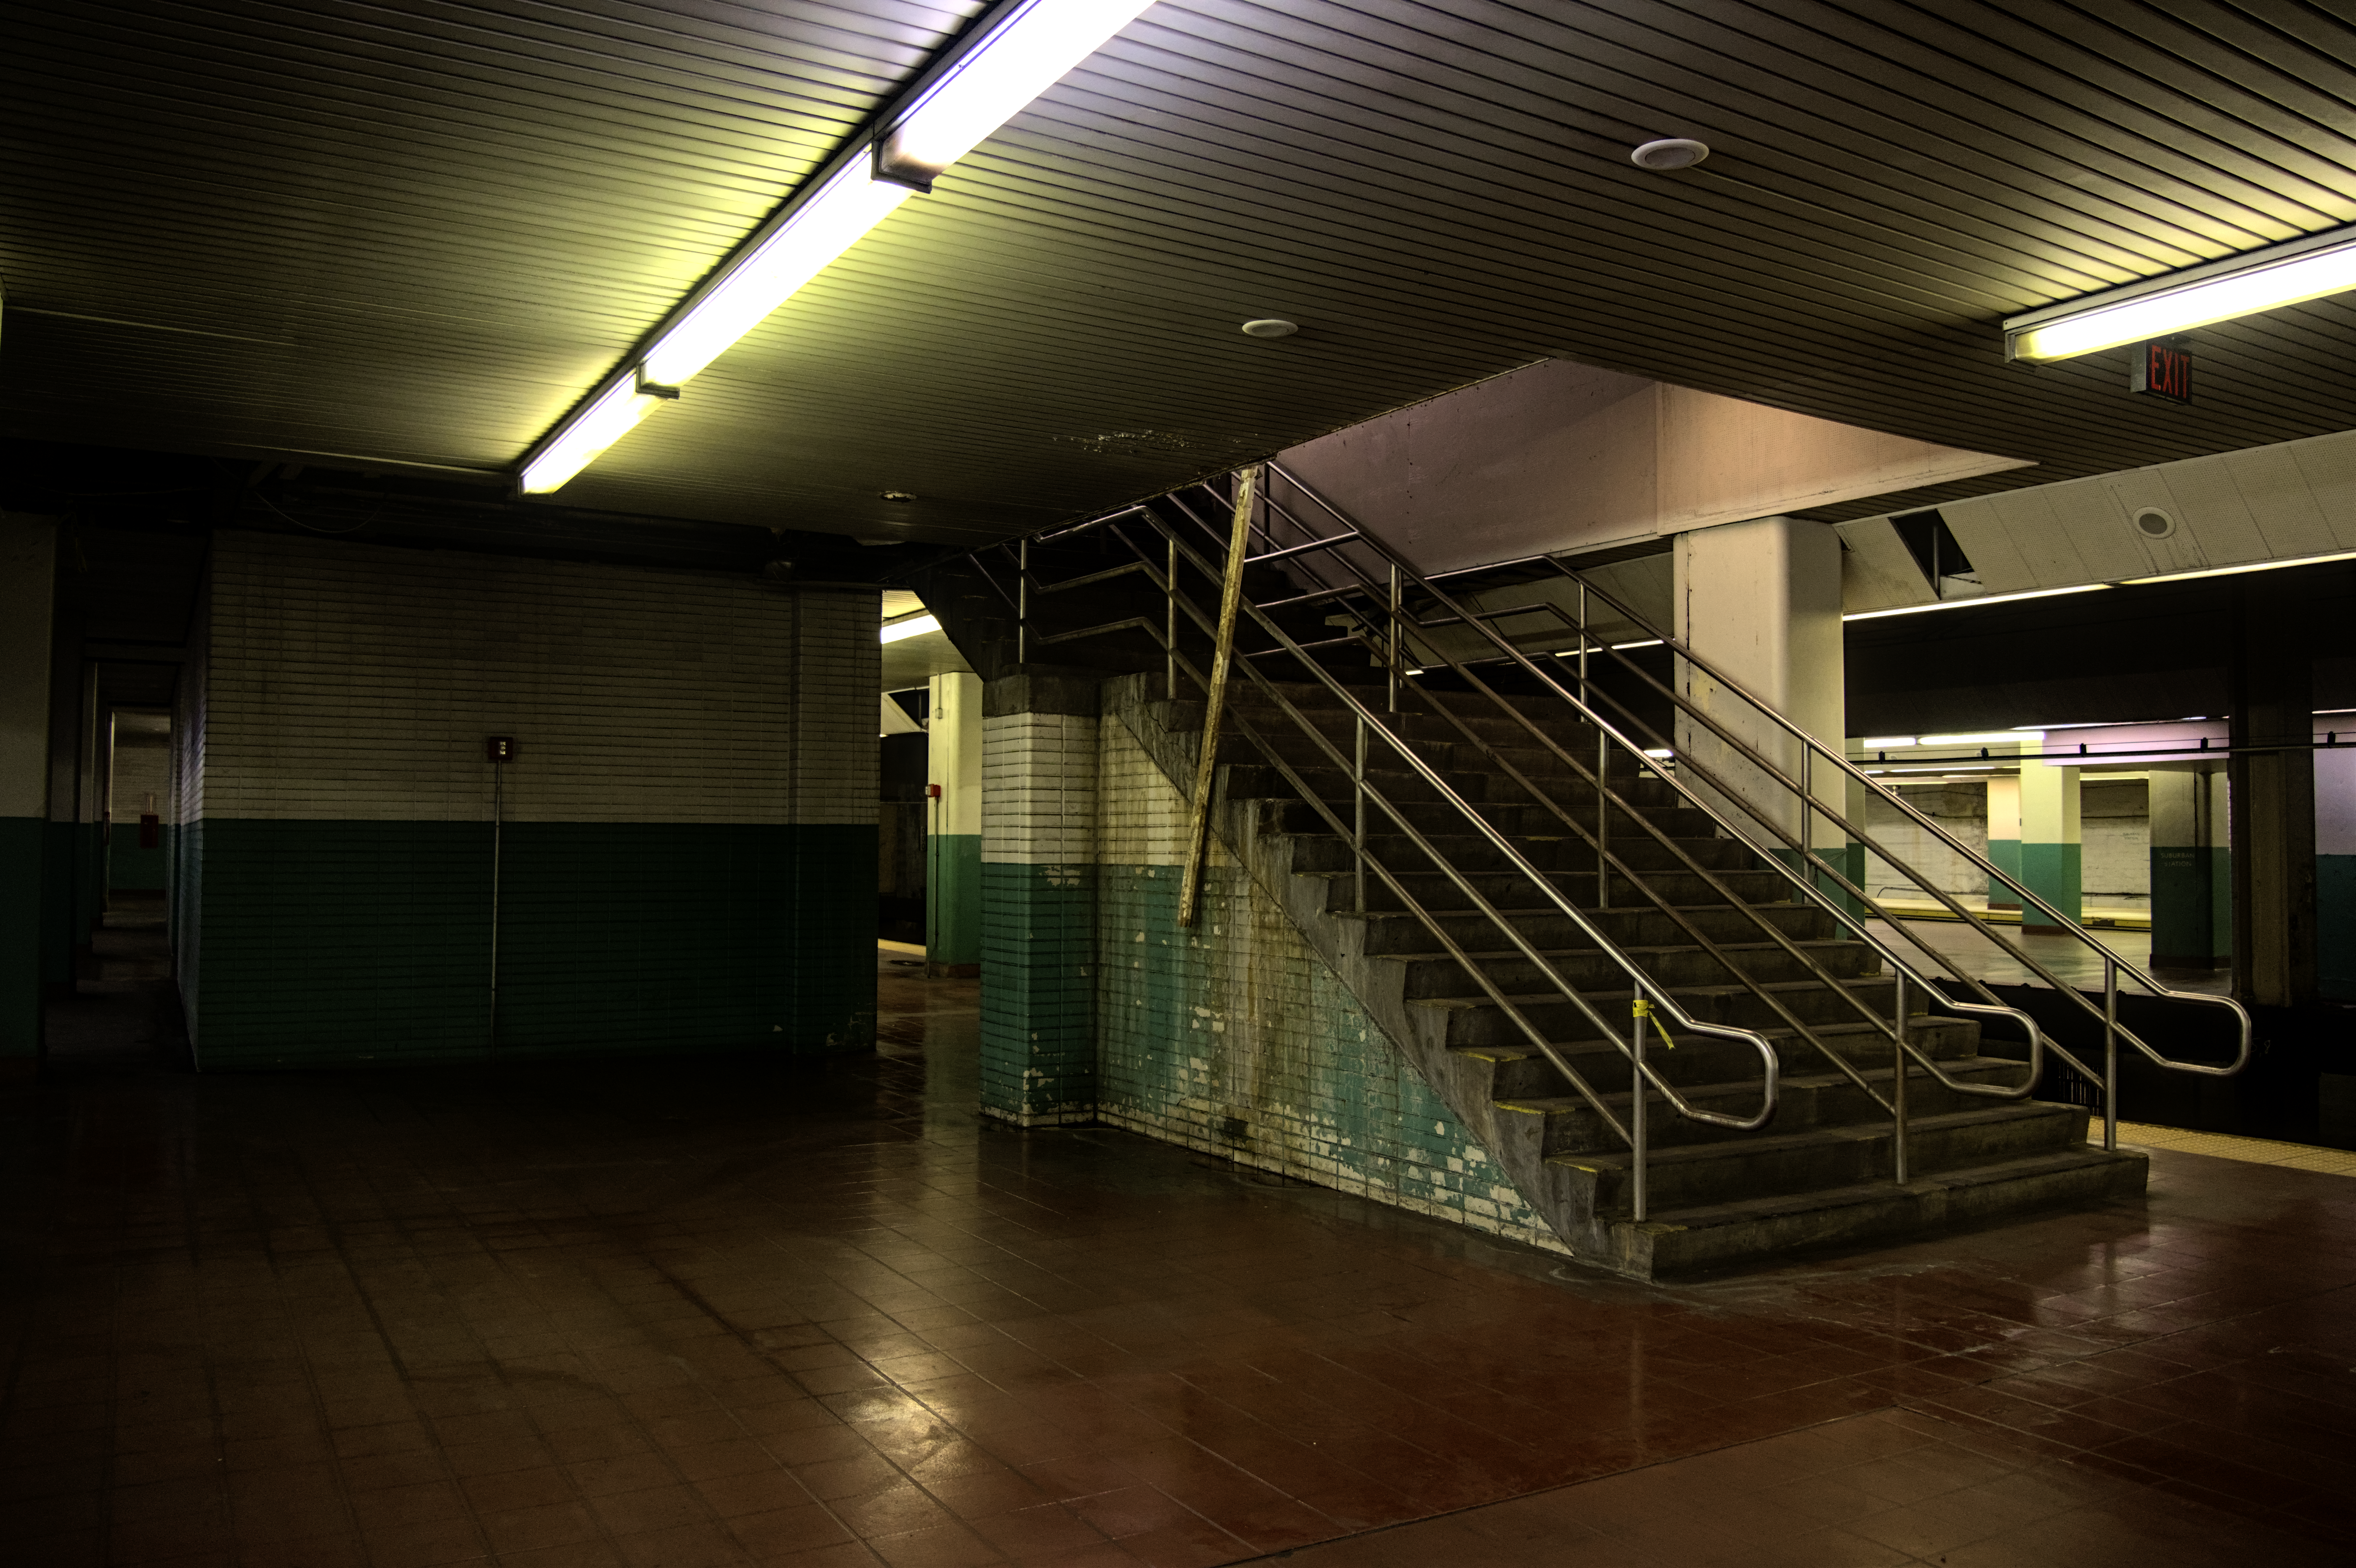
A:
{"points": [[671, 1314]]}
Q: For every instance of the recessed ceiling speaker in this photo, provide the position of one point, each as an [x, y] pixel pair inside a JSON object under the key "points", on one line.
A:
{"points": [[1669, 153], [1270, 327], [2154, 523]]}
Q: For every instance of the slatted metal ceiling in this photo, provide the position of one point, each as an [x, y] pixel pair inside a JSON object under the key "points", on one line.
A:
{"points": [[422, 229]]}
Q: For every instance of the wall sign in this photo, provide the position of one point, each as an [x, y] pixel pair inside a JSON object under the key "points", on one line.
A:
{"points": [[2162, 368]]}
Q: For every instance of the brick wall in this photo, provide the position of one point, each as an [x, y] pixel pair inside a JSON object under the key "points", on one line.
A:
{"points": [[686, 854]]}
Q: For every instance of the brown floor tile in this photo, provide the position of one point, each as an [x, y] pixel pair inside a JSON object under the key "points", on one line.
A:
{"points": [[1078, 1349]]}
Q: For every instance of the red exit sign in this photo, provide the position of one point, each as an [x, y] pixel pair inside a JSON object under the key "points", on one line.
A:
{"points": [[2162, 368]]}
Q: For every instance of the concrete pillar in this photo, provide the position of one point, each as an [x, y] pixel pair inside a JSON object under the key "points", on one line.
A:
{"points": [[2335, 867], [2004, 840], [2051, 852], [27, 592], [2192, 870], [953, 829], [1039, 899], [1762, 602], [2273, 792]]}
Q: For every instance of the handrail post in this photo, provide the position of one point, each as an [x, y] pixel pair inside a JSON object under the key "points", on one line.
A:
{"points": [[1392, 642], [1023, 602], [1636, 1139], [1358, 832], [1898, 1084], [1170, 619], [2110, 1053]]}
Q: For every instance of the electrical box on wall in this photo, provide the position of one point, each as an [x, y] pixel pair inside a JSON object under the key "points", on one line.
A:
{"points": [[499, 748]]}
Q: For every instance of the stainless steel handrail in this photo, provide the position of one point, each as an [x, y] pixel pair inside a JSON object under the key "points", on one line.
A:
{"points": [[2069, 925], [1648, 992], [2038, 1040], [1482, 622], [1639, 981]]}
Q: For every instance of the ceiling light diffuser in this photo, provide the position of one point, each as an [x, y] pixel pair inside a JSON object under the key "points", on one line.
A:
{"points": [[1034, 47], [835, 217], [591, 431], [2250, 566], [913, 627], [2289, 273], [1970, 604]]}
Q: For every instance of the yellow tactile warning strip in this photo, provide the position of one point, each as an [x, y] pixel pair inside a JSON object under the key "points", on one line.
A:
{"points": [[2256, 1151]]}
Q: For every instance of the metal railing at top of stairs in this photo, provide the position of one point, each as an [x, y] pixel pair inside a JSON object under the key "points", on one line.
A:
{"points": [[1830, 885], [1651, 1000], [1389, 627]]}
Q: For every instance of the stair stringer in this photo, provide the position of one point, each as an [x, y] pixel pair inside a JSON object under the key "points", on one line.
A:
{"points": [[1513, 1139]]}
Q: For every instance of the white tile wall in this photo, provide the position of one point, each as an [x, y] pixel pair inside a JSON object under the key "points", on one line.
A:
{"points": [[1039, 790], [351, 681]]}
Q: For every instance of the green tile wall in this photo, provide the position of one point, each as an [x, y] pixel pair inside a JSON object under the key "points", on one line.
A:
{"points": [[1038, 994], [1237, 1037], [354, 943]]}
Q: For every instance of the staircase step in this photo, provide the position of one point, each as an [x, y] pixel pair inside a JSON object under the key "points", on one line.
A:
{"points": [[1394, 934], [1818, 1159], [1520, 1070], [1478, 1021], [1675, 1241], [1437, 975], [1805, 1100]]}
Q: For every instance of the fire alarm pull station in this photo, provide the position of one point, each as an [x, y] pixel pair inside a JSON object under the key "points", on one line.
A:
{"points": [[499, 748]]}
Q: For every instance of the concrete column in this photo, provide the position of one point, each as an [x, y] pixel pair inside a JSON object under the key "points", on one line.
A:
{"points": [[953, 829], [1039, 900], [2272, 793], [2335, 867], [2192, 870], [1762, 602], [2004, 840], [2051, 853], [27, 592]]}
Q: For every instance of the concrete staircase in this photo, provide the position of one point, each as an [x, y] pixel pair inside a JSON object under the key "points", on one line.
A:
{"points": [[1819, 1174]]}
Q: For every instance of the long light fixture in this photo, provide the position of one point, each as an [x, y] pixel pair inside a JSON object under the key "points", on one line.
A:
{"points": [[2235, 570], [913, 627], [1968, 603], [2289, 273], [1026, 49]]}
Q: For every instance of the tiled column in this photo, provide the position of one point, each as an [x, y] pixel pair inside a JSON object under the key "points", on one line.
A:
{"points": [[953, 829], [2192, 878], [2050, 852], [1038, 900], [28, 548], [2004, 840]]}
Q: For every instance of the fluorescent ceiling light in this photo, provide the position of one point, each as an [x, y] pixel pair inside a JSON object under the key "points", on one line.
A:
{"points": [[1974, 768], [1973, 603], [1884, 742], [1031, 50], [1987, 738], [833, 220], [2230, 570], [2240, 285], [913, 627], [1032, 45], [1617, 647], [591, 431], [1663, 753]]}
